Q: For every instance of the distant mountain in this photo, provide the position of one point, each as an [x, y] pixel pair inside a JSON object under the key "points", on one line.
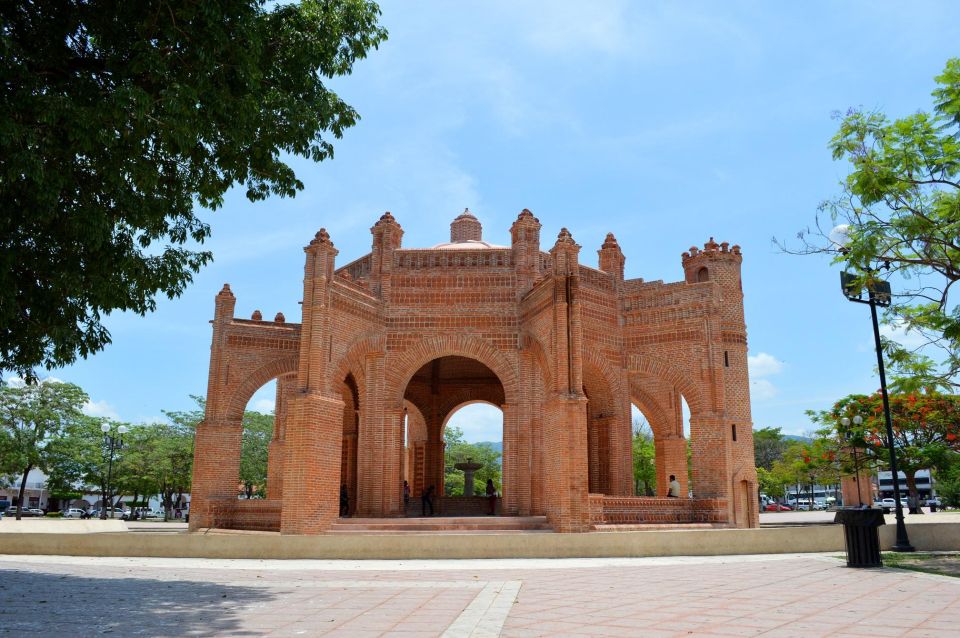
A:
{"points": [[797, 437]]}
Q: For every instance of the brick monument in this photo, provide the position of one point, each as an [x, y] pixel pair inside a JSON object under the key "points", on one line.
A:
{"points": [[391, 344]]}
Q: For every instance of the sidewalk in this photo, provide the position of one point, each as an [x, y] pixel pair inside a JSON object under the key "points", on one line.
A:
{"points": [[782, 595]]}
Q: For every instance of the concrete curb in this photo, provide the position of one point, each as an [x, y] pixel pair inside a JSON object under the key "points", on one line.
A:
{"points": [[815, 538]]}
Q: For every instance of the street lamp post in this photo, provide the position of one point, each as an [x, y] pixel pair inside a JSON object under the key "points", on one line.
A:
{"points": [[112, 443], [878, 294]]}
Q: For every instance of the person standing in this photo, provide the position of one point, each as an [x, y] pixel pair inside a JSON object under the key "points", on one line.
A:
{"points": [[426, 501], [491, 497], [406, 497], [674, 491], [344, 501]]}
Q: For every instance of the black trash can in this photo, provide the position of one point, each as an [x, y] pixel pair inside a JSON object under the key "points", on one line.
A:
{"points": [[861, 535]]}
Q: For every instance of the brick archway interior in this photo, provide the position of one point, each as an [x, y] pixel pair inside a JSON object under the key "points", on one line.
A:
{"points": [[435, 391]]}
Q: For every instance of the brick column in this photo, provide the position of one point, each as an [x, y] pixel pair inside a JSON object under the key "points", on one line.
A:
{"points": [[511, 481], [286, 386], [370, 440], [710, 457], [392, 489], [311, 492], [216, 469], [565, 464], [216, 453]]}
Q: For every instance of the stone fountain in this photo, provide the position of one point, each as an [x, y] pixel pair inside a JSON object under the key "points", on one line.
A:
{"points": [[468, 468]]}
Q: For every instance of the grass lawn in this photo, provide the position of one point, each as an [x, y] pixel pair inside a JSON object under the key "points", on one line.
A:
{"points": [[943, 563]]}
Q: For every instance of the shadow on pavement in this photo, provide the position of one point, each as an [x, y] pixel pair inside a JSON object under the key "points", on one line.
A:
{"points": [[37, 603]]}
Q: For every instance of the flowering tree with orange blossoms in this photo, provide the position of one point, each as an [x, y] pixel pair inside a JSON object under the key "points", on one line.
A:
{"points": [[926, 428]]}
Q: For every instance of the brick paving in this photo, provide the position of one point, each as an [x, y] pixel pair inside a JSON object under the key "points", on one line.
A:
{"points": [[783, 595]]}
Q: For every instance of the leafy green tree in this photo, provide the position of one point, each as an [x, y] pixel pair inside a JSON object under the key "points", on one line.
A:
{"points": [[76, 459], [772, 482], [948, 481], [900, 206], [926, 428], [768, 447], [168, 455], [132, 470], [458, 450], [118, 118], [644, 459], [31, 417], [257, 432]]}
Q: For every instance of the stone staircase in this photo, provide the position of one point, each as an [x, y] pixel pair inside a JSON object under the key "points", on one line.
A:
{"points": [[443, 524]]}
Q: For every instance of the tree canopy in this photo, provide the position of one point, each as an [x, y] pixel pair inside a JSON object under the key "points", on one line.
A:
{"points": [[32, 416], [118, 118], [926, 428], [899, 209]]}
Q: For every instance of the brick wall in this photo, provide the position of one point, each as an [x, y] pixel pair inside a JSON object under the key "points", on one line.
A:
{"points": [[562, 347]]}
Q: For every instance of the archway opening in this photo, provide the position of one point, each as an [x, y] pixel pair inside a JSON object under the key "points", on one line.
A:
{"points": [[473, 433], [440, 388], [350, 394], [643, 454], [660, 422], [259, 430]]}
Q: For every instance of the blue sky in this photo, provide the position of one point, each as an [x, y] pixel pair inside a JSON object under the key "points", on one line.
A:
{"points": [[666, 123]]}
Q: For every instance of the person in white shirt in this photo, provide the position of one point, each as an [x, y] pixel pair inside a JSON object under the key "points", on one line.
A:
{"points": [[674, 491]]}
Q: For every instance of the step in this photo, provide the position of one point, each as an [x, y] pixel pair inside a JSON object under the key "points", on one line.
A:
{"points": [[653, 527], [451, 532], [464, 524]]}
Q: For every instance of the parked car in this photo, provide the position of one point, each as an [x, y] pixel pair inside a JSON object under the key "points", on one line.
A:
{"points": [[111, 513], [934, 502], [12, 512], [73, 512], [890, 504], [37, 511], [777, 507]]}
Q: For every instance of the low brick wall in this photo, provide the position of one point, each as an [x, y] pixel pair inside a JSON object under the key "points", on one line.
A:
{"points": [[612, 510], [457, 506], [262, 515]]}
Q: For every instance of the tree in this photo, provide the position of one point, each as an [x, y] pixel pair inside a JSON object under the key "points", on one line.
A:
{"points": [[76, 459], [644, 459], [900, 207], [458, 450], [948, 481], [31, 417], [117, 118], [768, 447], [926, 428], [168, 451], [257, 432]]}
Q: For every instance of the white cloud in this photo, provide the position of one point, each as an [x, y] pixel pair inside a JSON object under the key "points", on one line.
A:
{"points": [[100, 409], [763, 365], [479, 422], [910, 339], [762, 389]]}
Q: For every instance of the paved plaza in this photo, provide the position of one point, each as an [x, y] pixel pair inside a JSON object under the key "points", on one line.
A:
{"points": [[771, 595]]}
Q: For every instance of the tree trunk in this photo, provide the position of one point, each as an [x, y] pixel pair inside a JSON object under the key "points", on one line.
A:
{"points": [[23, 488], [913, 498]]}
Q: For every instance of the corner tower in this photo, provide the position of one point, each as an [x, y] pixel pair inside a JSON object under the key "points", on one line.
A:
{"points": [[720, 264]]}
